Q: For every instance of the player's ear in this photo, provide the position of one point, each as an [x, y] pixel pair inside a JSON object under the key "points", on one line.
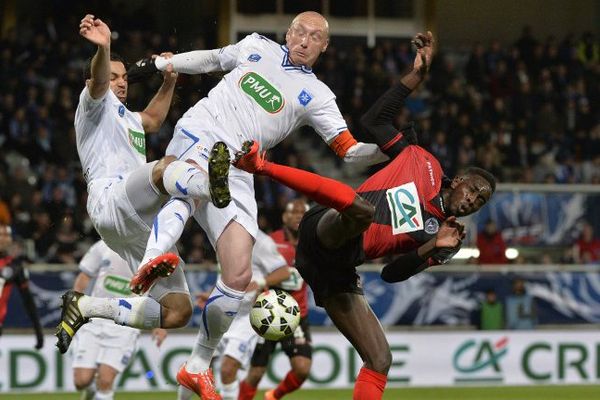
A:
{"points": [[325, 46]]}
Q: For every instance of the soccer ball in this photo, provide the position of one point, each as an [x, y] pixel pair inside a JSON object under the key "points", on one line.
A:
{"points": [[275, 314]]}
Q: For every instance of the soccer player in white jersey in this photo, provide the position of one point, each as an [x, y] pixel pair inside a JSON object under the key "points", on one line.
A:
{"points": [[269, 269], [101, 349], [269, 92], [125, 192]]}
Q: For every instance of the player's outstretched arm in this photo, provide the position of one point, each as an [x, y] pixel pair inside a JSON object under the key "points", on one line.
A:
{"points": [[379, 119], [192, 62], [155, 113], [98, 33]]}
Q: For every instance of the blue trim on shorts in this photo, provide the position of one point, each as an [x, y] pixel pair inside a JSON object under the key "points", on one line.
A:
{"points": [[194, 138], [180, 217]]}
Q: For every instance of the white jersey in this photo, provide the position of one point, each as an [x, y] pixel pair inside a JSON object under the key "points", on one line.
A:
{"points": [[112, 273], [265, 97], [110, 139]]}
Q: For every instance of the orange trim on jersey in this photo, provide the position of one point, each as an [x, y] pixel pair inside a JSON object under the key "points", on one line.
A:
{"points": [[342, 143]]}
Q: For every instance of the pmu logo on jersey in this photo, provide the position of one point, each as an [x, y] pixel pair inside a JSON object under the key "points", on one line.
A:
{"points": [[480, 361], [138, 141], [262, 92], [254, 57], [405, 208], [304, 97], [117, 284]]}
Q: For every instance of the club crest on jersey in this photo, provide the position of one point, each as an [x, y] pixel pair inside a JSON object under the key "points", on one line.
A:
{"points": [[405, 208], [121, 111], [304, 97], [432, 226], [262, 92], [254, 57]]}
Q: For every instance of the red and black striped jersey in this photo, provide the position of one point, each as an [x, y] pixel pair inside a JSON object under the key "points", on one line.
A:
{"points": [[12, 273], [288, 251], [408, 205]]}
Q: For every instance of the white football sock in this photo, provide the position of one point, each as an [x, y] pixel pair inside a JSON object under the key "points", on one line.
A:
{"points": [[220, 309], [89, 392], [167, 227], [230, 391], [104, 395], [184, 393], [136, 312], [183, 179]]}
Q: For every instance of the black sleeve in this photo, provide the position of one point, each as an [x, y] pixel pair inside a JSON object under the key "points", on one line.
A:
{"points": [[379, 122], [403, 267]]}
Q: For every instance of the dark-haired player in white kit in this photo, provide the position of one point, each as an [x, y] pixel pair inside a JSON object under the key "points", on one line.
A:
{"points": [[125, 193]]}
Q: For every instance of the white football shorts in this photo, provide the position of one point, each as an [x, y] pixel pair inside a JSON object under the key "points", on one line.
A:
{"points": [[125, 229], [102, 342], [192, 140]]}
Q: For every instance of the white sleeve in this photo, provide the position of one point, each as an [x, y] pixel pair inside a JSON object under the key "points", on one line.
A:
{"points": [[92, 260], [365, 154], [325, 117], [90, 108], [192, 62], [233, 55], [265, 254]]}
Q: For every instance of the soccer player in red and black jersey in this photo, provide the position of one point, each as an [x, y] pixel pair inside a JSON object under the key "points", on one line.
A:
{"points": [[298, 347], [13, 273], [407, 208]]}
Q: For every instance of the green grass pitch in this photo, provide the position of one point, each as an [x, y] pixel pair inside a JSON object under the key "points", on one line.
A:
{"points": [[546, 392]]}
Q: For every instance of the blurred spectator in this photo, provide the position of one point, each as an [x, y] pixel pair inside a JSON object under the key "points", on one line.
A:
{"points": [[5, 217], [491, 312], [588, 50], [13, 273], [586, 249], [491, 245], [520, 307]]}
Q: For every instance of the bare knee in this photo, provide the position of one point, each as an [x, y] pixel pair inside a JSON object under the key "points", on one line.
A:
{"points": [[176, 310], [255, 375], [229, 369], [239, 281], [158, 171], [301, 367], [82, 377], [81, 381], [379, 361], [104, 383]]}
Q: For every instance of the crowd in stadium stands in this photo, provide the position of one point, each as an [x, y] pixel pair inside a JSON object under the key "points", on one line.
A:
{"points": [[526, 111]]}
